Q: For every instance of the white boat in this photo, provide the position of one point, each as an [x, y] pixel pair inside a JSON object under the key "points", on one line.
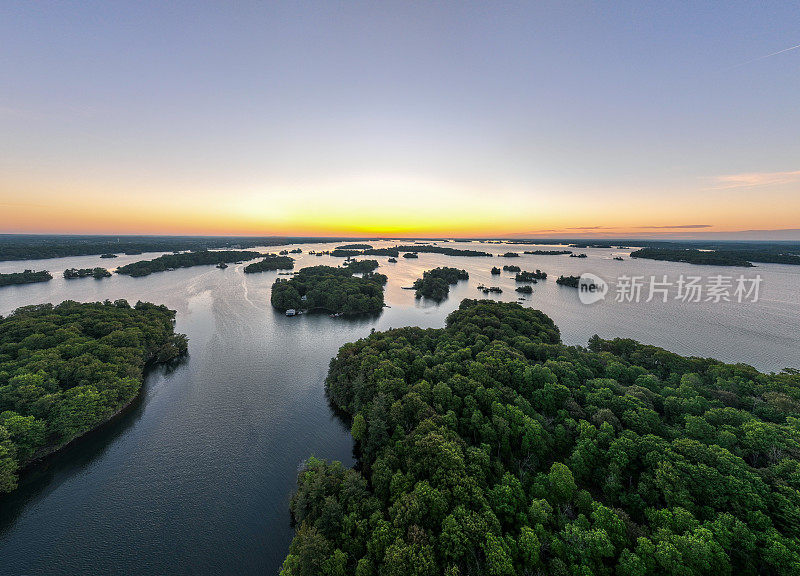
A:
{"points": [[291, 312]]}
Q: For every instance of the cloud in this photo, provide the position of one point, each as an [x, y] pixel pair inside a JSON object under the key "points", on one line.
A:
{"points": [[678, 226], [753, 179]]}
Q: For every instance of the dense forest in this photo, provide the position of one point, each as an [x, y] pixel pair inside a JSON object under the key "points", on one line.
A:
{"points": [[65, 369], [361, 266], [36, 247], [355, 247], [489, 447], [548, 252], [427, 248], [185, 260], [26, 277], [526, 276], [270, 262], [511, 255], [571, 281], [330, 289], [435, 284], [691, 256], [527, 289], [97, 273], [512, 268]]}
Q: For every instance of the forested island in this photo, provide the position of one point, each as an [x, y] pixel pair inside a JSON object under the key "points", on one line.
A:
{"points": [[525, 276], [361, 266], [548, 252], [512, 268], [511, 255], [109, 255], [352, 252], [185, 260], [355, 247], [331, 289], [410, 255], [691, 256], [495, 271], [428, 248], [270, 262], [571, 281], [578, 255], [527, 289], [26, 277], [435, 284], [66, 369], [96, 273], [489, 447]]}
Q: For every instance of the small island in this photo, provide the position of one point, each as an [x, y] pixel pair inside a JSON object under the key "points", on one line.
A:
{"points": [[361, 266], [26, 277], [109, 255], [185, 260], [511, 255], [355, 247], [578, 255], [410, 255], [329, 289], [525, 276], [527, 289], [495, 270], [96, 273], [392, 260], [490, 289], [48, 404], [548, 252], [269, 263], [620, 258], [571, 281], [435, 284], [512, 268]]}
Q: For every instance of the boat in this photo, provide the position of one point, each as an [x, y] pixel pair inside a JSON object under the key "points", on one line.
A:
{"points": [[222, 265], [291, 312]]}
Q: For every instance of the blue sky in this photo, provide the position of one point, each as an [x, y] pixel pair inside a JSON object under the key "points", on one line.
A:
{"points": [[508, 117]]}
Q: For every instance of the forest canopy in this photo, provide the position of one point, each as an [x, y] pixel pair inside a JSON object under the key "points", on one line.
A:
{"points": [[26, 277], [331, 289], [185, 260], [489, 447], [96, 273], [270, 262], [435, 284], [64, 369]]}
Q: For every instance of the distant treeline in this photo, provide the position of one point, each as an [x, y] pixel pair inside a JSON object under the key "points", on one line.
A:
{"points": [[548, 252], [435, 284], [26, 277], [185, 260], [37, 247], [719, 257], [354, 247], [330, 289], [427, 248], [350, 253], [97, 273], [271, 262]]}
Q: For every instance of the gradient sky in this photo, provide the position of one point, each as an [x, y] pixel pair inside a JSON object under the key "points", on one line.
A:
{"points": [[399, 118]]}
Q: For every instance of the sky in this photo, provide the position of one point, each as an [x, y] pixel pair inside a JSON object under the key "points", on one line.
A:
{"points": [[643, 119]]}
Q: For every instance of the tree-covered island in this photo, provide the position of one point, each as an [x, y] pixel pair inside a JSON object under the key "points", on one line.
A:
{"points": [[692, 256], [525, 276], [186, 260], [548, 252], [361, 266], [270, 262], [435, 284], [571, 281], [329, 289], [96, 273], [26, 277], [66, 369], [489, 447]]}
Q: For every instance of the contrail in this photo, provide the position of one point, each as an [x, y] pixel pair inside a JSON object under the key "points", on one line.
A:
{"points": [[765, 56]]}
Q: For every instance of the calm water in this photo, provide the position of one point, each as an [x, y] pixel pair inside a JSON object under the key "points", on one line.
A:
{"points": [[196, 479]]}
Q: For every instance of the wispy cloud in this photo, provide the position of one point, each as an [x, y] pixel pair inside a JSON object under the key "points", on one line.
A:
{"points": [[789, 49], [753, 179], [678, 226]]}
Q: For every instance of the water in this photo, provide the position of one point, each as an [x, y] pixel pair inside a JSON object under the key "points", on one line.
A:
{"points": [[196, 479]]}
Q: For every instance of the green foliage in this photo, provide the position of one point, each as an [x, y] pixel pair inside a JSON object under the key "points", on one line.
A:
{"points": [[435, 284], [488, 447], [270, 262], [64, 369], [692, 256], [96, 273], [185, 260], [571, 281], [26, 277], [330, 289], [548, 252], [430, 249], [525, 276], [361, 266]]}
